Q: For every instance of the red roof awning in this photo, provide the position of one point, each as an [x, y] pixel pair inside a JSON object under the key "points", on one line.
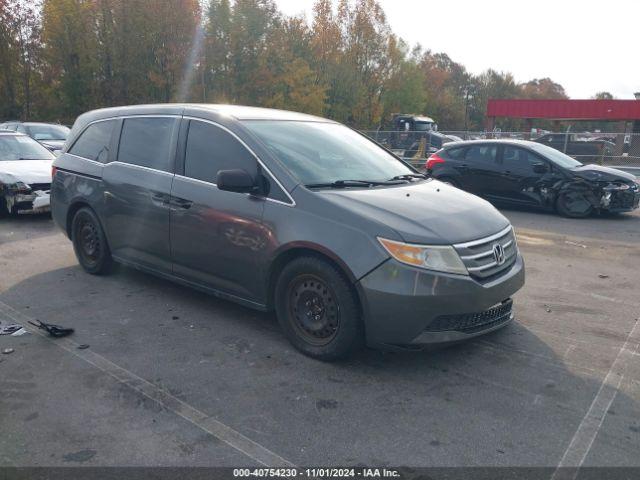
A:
{"points": [[565, 109]]}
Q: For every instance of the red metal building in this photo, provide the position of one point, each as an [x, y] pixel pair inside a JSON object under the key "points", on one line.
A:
{"points": [[607, 110]]}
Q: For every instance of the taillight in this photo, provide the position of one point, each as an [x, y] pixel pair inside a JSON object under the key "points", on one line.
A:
{"points": [[53, 171], [434, 160]]}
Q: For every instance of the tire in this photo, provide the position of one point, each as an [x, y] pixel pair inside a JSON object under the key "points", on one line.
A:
{"points": [[89, 243], [4, 212], [318, 310], [449, 181], [573, 205]]}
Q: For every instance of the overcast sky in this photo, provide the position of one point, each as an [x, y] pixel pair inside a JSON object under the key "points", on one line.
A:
{"points": [[587, 46]]}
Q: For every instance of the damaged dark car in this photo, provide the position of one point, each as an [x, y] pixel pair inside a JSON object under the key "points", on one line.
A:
{"points": [[528, 174]]}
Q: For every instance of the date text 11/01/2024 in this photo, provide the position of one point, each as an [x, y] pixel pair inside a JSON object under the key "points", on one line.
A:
{"points": [[316, 472]]}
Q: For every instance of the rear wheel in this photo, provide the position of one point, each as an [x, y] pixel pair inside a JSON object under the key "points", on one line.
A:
{"points": [[89, 243], [317, 309], [574, 205]]}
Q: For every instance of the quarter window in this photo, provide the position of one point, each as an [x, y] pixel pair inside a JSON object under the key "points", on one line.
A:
{"points": [[211, 149], [456, 153], [146, 142], [94, 141]]}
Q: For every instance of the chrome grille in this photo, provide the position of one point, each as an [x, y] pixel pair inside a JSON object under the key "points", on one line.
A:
{"points": [[479, 258]]}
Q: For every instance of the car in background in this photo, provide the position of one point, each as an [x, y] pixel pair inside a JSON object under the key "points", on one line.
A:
{"points": [[584, 149], [25, 174], [524, 173], [413, 133], [51, 135]]}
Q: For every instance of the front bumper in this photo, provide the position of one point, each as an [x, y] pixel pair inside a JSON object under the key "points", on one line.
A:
{"points": [[623, 201], [36, 201], [410, 307]]}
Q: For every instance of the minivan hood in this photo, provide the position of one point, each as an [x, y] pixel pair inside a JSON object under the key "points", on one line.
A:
{"points": [[26, 171], [429, 212], [599, 173]]}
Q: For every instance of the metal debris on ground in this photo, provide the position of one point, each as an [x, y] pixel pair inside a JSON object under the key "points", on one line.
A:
{"points": [[575, 244], [10, 329], [83, 346], [602, 275], [53, 330], [7, 351]]}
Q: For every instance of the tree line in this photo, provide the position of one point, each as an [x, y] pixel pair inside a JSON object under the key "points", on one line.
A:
{"points": [[59, 58]]}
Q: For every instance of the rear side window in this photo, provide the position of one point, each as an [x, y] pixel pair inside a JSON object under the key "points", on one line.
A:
{"points": [[94, 142], [211, 149], [482, 153], [146, 142]]}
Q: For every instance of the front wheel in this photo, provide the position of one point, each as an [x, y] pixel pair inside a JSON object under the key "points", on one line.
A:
{"points": [[574, 205], [89, 243], [4, 211], [317, 309]]}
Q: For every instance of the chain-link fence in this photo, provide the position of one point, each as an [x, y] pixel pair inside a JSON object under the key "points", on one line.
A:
{"points": [[620, 150]]}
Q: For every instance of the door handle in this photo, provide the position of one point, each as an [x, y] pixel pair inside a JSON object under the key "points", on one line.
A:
{"points": [[464, 166], [181, 203], [160, 198]]}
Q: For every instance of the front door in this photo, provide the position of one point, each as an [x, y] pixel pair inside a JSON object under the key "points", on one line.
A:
{"points": [[216, 236]]}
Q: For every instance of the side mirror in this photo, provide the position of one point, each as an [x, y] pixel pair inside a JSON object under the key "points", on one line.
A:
{"points": [[540, 168], [236, 181]]}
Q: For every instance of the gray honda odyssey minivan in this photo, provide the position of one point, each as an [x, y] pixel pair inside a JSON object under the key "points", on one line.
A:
{"points": [[285, 211]]}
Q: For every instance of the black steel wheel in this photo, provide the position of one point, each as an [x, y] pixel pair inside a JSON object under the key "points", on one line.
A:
{"points": [[317, 309], [89, 242], [313, 309], [4, 211], [574, 204]]}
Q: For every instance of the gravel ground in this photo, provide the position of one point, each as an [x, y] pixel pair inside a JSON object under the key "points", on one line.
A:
{"points": [[173, 377]]}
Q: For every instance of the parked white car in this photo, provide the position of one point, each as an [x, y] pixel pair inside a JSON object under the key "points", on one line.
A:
{"points": [[25, 174]]}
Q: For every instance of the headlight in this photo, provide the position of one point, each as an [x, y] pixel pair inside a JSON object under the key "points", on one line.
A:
{"points": [[19, 187], [442, 258], [616, 186]]}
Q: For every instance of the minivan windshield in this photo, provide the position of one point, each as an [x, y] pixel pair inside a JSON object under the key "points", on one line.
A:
{"points": [[323, 153], [556, 156]]}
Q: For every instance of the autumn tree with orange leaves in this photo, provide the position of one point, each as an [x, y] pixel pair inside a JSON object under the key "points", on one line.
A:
{"points": [[59, 58]]}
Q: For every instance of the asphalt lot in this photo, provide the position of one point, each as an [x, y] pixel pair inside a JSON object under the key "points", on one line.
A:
{"points": [[174, 377]]}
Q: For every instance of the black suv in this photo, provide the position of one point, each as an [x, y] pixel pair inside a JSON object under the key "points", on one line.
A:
{"points": [[519, 172]]}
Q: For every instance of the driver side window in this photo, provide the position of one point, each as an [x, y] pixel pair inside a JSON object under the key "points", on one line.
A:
{"points": [[519, 159], [211, 149]]}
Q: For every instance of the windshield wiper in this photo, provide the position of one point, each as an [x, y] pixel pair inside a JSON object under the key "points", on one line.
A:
{"points": [[408, 176], [351, 183]]}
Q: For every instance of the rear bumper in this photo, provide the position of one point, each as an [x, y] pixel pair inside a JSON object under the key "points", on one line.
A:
{"points": [[410, 307]]}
